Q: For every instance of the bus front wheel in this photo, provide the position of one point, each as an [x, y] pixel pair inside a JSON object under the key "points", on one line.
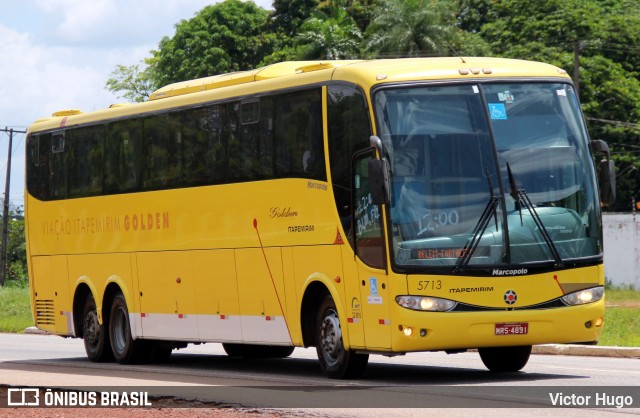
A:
{"points": [[94, 334], [505, 359], [336, 361], [126, 350]]}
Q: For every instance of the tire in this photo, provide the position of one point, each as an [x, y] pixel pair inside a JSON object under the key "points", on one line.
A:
{"points": [[505, 359], [335, 361], [96, 341], [125, 349], [257, 351]]}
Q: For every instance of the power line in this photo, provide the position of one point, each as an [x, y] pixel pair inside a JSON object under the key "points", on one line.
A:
{"points": [[15, 147], [615, 122]]}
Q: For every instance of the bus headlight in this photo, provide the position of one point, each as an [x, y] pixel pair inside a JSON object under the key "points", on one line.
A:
{"points": [[584, 296], [425, 303]]}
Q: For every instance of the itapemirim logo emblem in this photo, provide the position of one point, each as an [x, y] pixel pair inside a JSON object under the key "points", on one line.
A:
{"points": [[510, 297]]}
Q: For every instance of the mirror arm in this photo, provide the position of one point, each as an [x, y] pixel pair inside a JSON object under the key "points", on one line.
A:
{"points": [[376, 143]]}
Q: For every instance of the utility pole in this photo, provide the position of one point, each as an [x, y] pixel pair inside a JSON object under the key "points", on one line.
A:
{"points": [[5, 211]]}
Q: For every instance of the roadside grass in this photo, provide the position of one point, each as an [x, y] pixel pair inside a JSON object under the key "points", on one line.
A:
{"points": [[621, 325], [15, 308], [621, 318], [621, 294]]}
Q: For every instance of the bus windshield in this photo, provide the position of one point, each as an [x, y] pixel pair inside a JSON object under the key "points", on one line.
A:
{"points": [[488, 175]]}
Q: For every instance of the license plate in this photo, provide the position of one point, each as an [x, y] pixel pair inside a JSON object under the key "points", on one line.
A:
{"points": [[512, 328]]}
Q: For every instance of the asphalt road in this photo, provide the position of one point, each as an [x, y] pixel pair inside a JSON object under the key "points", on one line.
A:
{"points": [[402, 385]]}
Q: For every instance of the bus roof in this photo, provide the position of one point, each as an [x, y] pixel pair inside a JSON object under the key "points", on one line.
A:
{"points": [[365, 73], [282, 69]]}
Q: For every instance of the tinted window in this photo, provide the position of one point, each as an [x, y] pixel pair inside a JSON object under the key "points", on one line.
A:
{"points": [[38, 165], [122, 157], [275, 136], [298, 135], [349, 132], [162, 147], [84, 159], [205, 145], [57, 166], [250, 140], [370, 245]]}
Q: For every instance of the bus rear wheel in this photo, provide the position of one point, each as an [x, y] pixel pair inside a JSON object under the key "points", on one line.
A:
{"points": [[125, 349], [257, 351], [336, 361], [505, 359], [94, 334]]}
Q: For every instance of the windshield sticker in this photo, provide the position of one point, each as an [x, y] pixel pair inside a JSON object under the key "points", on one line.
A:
{"points": [[562, 92], [506, 97], [475, 89], [498, 111]]}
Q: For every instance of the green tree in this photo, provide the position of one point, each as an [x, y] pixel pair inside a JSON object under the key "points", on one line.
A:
{"points": [[604, 36], [221, 38], [289, 15], [294, 42], [329, 36], [473, 14], [282, 27], [555, 25], [361, 11], [412, 28], [132, 82], [16, 248]]}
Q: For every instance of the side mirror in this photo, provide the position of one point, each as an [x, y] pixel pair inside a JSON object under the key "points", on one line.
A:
{"points": [[379, 181], [378, 173], [606, 172], [607, 179]]}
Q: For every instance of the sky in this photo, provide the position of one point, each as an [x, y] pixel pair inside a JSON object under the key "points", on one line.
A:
{"points": [[58, 54]]}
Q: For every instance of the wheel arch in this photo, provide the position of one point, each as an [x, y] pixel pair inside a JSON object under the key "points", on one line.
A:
{"points": [[316, 288], [83, 289]]}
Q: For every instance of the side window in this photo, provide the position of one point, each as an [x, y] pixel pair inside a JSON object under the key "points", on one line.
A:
{"points": [[297, 119], [370, 245], [84, 154], [162, 152], [58, 166], [204, 146], [122, 157], [250, 140], [256, 139], [38, 150], [349, 131]]}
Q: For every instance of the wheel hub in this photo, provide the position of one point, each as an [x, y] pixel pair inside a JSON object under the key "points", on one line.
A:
{"points": [[91, 328], [331, 336]]}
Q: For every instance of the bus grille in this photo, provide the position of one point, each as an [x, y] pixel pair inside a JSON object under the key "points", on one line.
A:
{"points": [[45, 312]]}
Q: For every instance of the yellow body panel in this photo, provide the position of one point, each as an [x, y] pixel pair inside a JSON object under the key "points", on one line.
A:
{"points": [[215, 276], [233, 262]]}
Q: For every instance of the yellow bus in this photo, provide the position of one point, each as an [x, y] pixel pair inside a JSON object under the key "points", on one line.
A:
{"points": [[359, 207]]}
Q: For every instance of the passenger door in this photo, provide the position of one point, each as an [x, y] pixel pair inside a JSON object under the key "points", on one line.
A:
{"points": [[371, 258]]}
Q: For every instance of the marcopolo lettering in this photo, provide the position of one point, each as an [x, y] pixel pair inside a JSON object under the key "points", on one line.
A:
{"points": [[509, 272]]}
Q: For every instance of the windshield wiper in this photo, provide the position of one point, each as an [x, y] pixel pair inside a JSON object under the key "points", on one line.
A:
{"points": [[521, 198], [481, 226]]}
